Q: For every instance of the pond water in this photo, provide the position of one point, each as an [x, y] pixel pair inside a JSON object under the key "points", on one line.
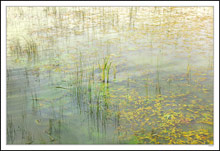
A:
{"points": [[109, 75]]}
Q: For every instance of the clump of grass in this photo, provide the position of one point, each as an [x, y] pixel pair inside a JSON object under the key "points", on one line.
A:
{"points": [[105, 69]]}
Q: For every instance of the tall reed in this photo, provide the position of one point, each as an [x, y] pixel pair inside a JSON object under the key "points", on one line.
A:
{"points": [[105, 69]]}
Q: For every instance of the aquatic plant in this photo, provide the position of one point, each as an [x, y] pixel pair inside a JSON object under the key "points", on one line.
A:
{"points": [[105, 69], [108, 69], [157, 125], [156, 108]]}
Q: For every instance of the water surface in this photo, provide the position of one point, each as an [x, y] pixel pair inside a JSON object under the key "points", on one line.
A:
{"points": [[109, 75]]}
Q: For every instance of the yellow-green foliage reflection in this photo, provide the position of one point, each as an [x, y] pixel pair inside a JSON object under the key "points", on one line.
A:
{"points": [[110, 75]]}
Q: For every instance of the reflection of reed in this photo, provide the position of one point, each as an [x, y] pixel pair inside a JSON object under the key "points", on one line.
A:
{"points": [[158, 86], [10, 130], [89, 33], [29, 48]]}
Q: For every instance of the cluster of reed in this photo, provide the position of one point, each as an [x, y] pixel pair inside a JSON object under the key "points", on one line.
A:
{"points": [[105, 69], [29, 48]]}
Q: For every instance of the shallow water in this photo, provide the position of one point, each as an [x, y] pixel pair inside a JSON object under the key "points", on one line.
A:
{"points": [[157, 86]]}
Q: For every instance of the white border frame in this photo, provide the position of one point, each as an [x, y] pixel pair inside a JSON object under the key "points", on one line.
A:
{"points": [[4, 4]]}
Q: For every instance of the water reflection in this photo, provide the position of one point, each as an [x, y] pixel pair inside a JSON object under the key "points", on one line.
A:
{"points": [[109, 75]]}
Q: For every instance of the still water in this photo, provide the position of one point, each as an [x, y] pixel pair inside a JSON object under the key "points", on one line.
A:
{"points": [[109, 75]]}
